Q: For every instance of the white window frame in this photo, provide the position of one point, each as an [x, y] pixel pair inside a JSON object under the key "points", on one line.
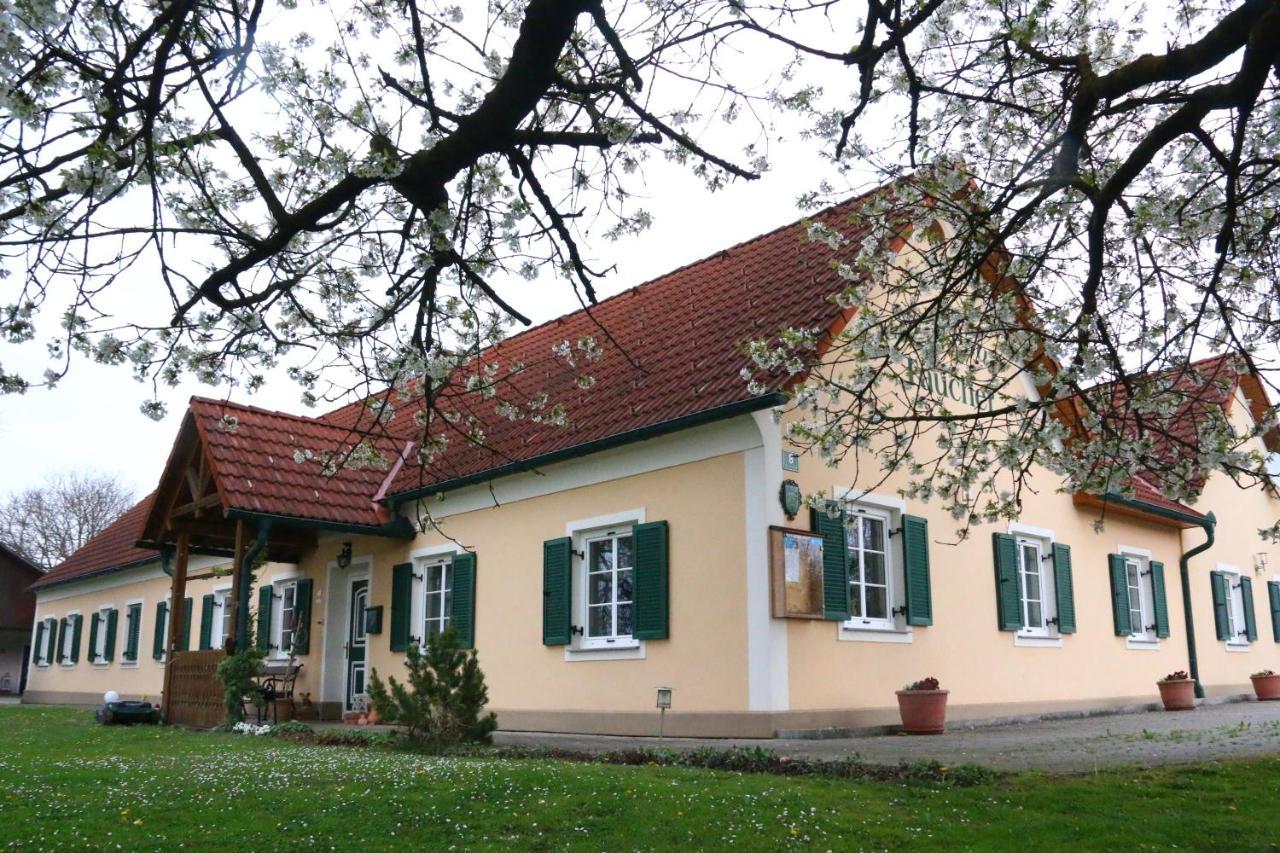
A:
{"points": [[221, 612], [1237, 636], [100, 617], [278, 586], [142, 607], [890, 510], [44, 656], [1043, 539], [68, 637], [580, 533], [1143, 636], [423, 560]]}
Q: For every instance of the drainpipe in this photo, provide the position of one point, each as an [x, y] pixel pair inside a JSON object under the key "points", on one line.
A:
{"points": [[245, 567], [1194, 665]]}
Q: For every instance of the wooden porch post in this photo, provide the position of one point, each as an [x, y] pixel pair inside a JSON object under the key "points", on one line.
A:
{"points": [[237, 578], [177, 615]]}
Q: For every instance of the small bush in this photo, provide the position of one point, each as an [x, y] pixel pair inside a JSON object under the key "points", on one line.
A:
{"points": [[443, 700], [1177, 675], [929, 683], [238, 673], [1264, 673]]}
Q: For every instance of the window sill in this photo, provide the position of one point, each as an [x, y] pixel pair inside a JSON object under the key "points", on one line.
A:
{"points": [[1037, 641], [618, 651], [1237, 647], [129, 664], [1142, 644], [851, 633], [102, 663]]}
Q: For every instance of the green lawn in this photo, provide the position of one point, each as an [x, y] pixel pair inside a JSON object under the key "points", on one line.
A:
{"points": [[67, 783]]}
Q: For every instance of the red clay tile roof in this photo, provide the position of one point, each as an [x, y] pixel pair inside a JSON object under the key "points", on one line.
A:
{"points": [[252, 454], [674, 348], [111, 549]]}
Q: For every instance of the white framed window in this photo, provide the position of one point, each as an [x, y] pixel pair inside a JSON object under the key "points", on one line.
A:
{"points": [[437, 598], [220, 629], [877, 588], [610, 584], [1140, 584], [101, 618], [604, 587], [1036, 589], [68, 638], [284, 621], [45, 648], [132, 648], [1237, 627], [872, 576]]}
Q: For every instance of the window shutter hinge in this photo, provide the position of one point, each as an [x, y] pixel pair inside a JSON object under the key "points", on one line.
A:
{"points": [[896, 531], [1053, 621], [581, 555], [576, 629], [899, 611]]}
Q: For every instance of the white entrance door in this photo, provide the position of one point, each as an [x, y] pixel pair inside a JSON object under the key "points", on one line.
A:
{"points": [[356, 645]]}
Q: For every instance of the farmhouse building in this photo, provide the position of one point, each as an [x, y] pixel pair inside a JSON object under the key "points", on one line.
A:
{"points": [[634, 547]]}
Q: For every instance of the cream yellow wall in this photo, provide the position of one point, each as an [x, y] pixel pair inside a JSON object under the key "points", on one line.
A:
{"points": [[86, 681], [704, 659], [963, 647], [1240, 513]]}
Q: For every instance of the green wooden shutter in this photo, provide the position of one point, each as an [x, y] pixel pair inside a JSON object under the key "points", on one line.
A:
{"points": [[158, 642], [1160, 599], [184, 641], [134, 626], [557, 586], [1064, 588], [401, 605], [1008, 594], [462, 606], [1250, 621], [651, 578], [1119, 595], [302, 597], [60, 639], [75, 638], [829, 523], [92, 654], [266, 597], [206, 622], [109, 652], [915, 561], [39, 648], [1273, 594], [1218, 584]]}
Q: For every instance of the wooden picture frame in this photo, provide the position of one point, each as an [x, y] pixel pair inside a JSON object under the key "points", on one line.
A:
{"points": [[795, 571]]}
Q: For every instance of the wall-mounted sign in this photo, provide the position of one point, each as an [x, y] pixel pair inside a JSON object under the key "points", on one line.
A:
{"points": [[791, 498], [790, 460], [943, 384], [795, 568]]}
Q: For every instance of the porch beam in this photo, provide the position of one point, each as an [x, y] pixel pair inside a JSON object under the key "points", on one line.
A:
{"points": [[177, 616]]}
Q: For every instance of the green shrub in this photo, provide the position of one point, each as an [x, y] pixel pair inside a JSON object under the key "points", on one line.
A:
{"points": [[443, 699], [238, 673]]}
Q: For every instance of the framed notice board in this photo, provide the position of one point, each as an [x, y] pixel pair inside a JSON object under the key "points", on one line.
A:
{"points": [[795, 569]]}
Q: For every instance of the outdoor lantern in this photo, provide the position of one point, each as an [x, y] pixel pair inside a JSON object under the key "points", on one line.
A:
{"points": [[344, 556], [664, 697], [1259, 562]]}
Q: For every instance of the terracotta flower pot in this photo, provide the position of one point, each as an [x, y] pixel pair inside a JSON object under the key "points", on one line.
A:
{"points": [[924, 712], [1178, 695], [1266, 686]]}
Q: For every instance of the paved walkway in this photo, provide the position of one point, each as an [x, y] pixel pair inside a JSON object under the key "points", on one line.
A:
{"points": [[1210, 732]]}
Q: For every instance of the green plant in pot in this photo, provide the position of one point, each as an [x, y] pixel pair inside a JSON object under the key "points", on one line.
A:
{"points": [[923, 707], [1177, 691]]}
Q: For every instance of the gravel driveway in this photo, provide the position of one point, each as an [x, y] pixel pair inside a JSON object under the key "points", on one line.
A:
{"points": [[1232, 730]]}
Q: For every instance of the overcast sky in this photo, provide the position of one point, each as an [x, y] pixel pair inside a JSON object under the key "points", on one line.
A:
{"points": [[91, 420]]}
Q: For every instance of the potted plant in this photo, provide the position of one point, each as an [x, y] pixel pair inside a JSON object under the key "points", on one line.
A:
{"points": [[1266, 684], [1177, 691], [923, 706]]}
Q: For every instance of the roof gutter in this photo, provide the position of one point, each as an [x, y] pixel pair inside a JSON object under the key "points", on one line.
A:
{"points": [[706, 416], [1207, 523], [39, 586], [397, 528]]}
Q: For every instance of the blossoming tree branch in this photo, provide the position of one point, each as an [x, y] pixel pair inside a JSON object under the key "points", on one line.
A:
{"points": [[1081, 202]]}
